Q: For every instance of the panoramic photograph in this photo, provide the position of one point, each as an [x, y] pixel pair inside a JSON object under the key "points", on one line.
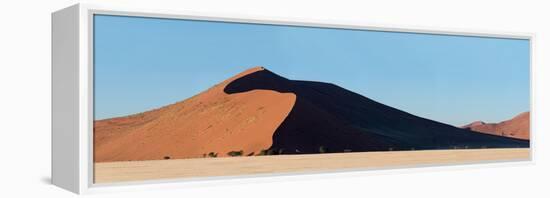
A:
{"points": [[172, 89]]}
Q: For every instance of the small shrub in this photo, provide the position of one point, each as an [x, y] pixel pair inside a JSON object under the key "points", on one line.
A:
{"points": [[212, 154], [263, 152], [166, 157], [270, 151], [235, 153], [322, 149], [280, 151]]}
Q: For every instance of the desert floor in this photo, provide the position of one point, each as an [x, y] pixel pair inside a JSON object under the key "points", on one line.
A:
{"points": [[109, 172]]}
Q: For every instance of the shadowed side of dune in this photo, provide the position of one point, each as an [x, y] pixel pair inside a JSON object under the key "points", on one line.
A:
{"points": [[328, 118]]}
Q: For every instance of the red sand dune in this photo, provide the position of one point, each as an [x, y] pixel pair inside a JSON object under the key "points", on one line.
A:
{"points": [[517, 127], [257, 110], [211, 121]]}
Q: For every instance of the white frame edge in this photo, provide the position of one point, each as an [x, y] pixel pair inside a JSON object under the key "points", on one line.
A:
{"points": [[71, 96], [73, 171]]}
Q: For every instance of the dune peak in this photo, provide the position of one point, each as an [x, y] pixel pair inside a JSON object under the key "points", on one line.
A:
{"points": [[254, 69], [475, 123], [247, 72]]}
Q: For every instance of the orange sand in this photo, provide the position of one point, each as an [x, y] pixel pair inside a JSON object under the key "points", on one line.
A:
{"points": [[211, 121]]}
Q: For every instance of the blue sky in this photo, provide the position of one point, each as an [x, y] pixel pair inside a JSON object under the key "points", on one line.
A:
{"points": [[146, 63]]}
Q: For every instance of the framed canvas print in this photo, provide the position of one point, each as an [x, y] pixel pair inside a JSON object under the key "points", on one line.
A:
{"points": [[152, 96]]}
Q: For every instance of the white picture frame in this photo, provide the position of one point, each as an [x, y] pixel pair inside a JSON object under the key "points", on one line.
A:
{"points": [[72, 86]]}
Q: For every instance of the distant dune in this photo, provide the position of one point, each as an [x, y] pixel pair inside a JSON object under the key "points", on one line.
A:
{"points": [[517, 127], [259, 112]]}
